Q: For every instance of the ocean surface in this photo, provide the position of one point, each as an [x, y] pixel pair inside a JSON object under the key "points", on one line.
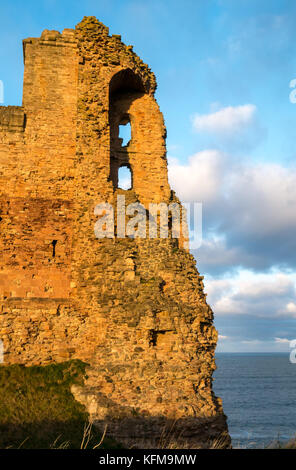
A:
{"points": [[259, 397]]}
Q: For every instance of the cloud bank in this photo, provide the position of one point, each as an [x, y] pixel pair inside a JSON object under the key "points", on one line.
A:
{"points": [[248, 254], [226, 120], [249, 210]]}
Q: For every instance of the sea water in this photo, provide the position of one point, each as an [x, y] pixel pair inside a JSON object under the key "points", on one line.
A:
{"points": [[259, 397]]}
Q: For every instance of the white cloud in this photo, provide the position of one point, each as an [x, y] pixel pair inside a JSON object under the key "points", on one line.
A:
{"points": [[289, 310], [222, 337], [266, 195], [252, 341], [261, 196], [248, 209], [256, 294], [259, 286], [198, 180], [228, 305], [282, 340], [227, 120], [291, 307]]}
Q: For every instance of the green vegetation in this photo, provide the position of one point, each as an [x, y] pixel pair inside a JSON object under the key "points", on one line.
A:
{"points": [[37, 409]]}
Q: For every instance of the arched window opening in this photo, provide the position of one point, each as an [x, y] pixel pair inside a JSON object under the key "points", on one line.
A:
{"points": [[126, 80], [125, 178], [125, 131], [125, 87]]}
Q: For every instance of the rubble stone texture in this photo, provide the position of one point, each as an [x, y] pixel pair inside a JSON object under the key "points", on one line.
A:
{"points": [[133, 309]]}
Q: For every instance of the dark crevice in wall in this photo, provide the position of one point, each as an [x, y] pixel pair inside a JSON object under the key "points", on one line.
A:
{"points": [[154, 335], [54, 243]]}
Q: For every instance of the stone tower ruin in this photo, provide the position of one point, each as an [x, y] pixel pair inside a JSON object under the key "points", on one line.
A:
{"points": [[132, 308]]}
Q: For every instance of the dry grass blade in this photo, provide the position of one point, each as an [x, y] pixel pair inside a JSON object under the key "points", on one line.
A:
{"points": [[102, 438], [86, 435]]}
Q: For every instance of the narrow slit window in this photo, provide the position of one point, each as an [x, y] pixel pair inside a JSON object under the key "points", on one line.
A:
{"points": [[54, 242], [125, 133], [124, 178]]}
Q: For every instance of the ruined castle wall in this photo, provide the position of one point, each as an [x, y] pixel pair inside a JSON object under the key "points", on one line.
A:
{"points": [[38, 167], [134, 309], [37, 157], [146, 152], [55, 168], [50, 100], [12, 124]]}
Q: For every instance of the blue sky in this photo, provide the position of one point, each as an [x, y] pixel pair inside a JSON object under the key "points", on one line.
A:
{"points": [[223, 69]]}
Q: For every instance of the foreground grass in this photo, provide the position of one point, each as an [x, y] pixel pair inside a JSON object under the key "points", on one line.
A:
{"points": [[291, 444], [37, 409]]}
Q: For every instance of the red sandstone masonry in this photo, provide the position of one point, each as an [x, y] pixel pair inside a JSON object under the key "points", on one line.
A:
{"points": [[135, 310]]}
